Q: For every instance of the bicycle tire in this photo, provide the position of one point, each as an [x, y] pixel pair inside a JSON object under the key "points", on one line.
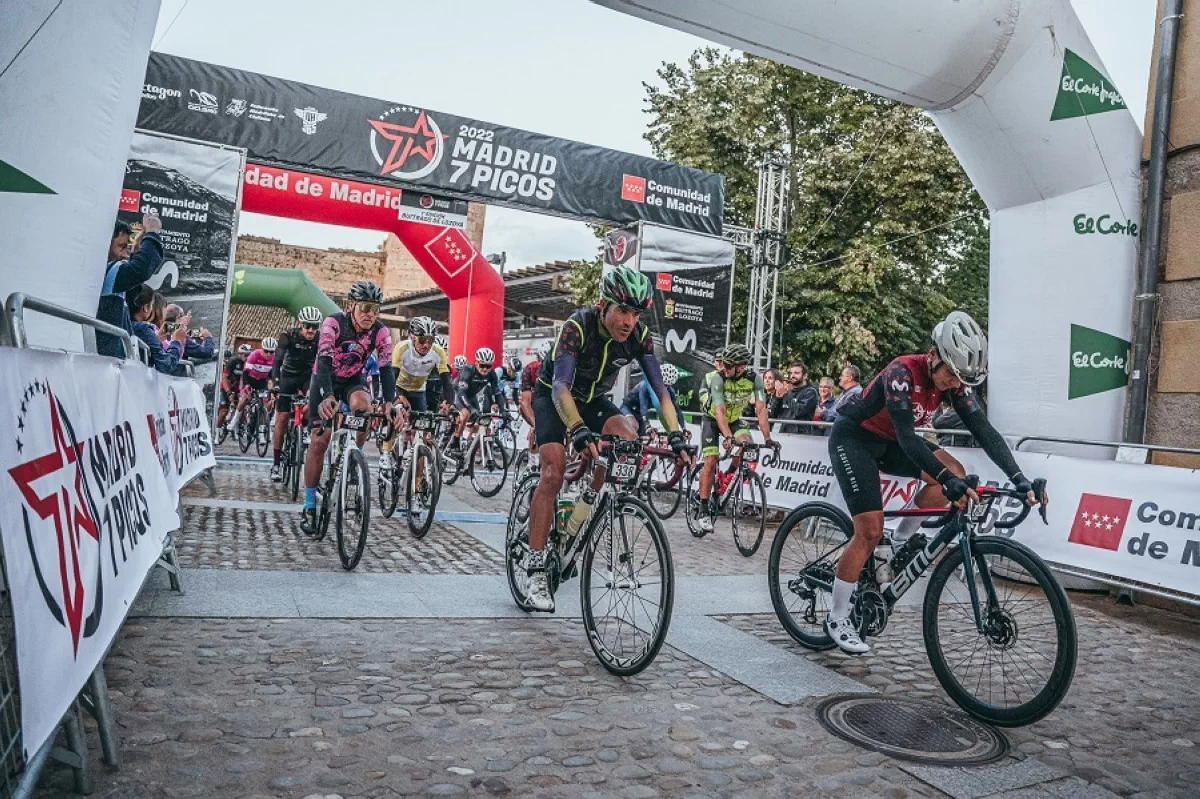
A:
{"points": [[665, 500], [246, 426], [286, 461], [814, 513], [1063, 669], [736, 510], [388, 491], [222, 433], [518, 469], [296, 434], [622, 666], [419, 525], [262, 435], [324, 516], [357, 477], [516, 542], [452, 465], [691, 505], [487, 443]]}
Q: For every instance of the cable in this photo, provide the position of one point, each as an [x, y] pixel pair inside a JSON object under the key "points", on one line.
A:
{"points": [[887, 243], [30, 39], [171, 24]]}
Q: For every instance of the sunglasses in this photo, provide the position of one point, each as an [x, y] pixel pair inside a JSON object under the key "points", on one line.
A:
{"points": [[368, 307], [424, 339], [483, 366], [308, 326]]}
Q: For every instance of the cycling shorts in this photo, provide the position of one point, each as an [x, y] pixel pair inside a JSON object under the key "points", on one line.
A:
{"points": [[289, 385], [549, 427], [342, 389], [710, 435], [416, 398], [227, 397], [252, 384], [858, 456]]}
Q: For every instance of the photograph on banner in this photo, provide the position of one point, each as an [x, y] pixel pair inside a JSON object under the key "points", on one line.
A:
{"points": [[93, 459], [192, 188]]}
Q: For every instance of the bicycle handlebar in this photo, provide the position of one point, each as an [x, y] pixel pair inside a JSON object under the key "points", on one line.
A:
{"points": [[1039, 491]]}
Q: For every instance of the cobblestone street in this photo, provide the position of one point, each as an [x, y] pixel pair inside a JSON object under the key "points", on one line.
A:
{"points": [[279, 675]]}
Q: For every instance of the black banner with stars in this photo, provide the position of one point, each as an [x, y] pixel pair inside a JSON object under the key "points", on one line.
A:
{"points": [[298, 126]]}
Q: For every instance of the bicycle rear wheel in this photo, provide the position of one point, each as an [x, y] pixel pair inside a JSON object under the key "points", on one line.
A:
{"points": [[489, 466], [388, 486], [665, 500], [287, 460], [353, 510], [516, 542], [692, 505], [747, 512], [296, 435], [452, 463], [247, 428], [801, 568], [262, 432], [421, 501], [1020, 667], [627, 586], [518, 469]]}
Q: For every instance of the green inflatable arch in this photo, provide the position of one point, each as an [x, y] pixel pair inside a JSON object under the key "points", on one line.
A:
{"points": [[290, 289]]}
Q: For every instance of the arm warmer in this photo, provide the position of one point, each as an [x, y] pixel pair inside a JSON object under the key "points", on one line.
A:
{"points": [[970, 410], [387, 378]]}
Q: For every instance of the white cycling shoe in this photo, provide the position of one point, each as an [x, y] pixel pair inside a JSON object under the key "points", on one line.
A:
{"points": [[704, 523], [538, 597], [845, 636]]}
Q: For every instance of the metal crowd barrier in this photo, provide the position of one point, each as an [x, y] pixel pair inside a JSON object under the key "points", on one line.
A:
{"points": [[18, 777]]}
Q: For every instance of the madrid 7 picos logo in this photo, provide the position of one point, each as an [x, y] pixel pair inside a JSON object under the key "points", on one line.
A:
{"points": [[406, 142], [62, 536]]}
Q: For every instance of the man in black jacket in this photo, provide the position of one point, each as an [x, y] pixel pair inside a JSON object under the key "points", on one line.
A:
{"points": [[801, 402], [124, 273]]}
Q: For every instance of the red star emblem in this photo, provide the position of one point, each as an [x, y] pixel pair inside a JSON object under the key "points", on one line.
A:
{"points": [[66, 504], [404, 139]]}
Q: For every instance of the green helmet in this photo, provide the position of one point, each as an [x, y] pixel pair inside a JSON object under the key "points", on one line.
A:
{"points": [[734, 355], [626, 286]]}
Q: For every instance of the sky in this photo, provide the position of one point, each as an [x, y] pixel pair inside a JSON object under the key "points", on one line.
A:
{"points": [[567, 68]]}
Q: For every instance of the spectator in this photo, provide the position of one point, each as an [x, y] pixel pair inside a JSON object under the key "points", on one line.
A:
{"points": [[825, 400], [124, 274], [769, 381], [800, 403], [147, 305], [779, 389], [198, 347], [851, 388]]}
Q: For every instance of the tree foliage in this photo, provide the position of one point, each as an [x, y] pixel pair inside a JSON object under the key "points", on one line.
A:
{"points": [[886, 233]]}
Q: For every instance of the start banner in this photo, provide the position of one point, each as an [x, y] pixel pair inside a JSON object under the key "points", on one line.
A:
{"points": [[94, 452]]}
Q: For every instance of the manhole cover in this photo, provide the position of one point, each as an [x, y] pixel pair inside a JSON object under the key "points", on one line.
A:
{"points": [[920, 732]]}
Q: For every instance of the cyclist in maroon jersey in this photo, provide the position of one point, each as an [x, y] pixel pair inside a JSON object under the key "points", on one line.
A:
{"points": [[877, 431]]}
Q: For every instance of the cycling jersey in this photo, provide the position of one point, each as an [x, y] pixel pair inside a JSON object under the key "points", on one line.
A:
{"points": [[471, 385], [232, 371], [585, 360], [342, 354], [413, 369], [529, 375], [295, 354], [733, 392], [258, 366]]}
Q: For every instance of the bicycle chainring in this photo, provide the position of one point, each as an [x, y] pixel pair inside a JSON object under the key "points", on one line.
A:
{"points": [[870, 614]]}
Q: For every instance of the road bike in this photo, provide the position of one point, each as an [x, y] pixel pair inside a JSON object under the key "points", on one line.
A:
{"points": [[481, 457], [346, 490], [738, 495], [415, 468], [295, 443], [254, 424], [998, 628], [661, 481], [621, 556]]}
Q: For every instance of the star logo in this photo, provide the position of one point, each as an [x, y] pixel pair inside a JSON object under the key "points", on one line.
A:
{"points": [[408, 133], [1100, 521], [54, 489]]}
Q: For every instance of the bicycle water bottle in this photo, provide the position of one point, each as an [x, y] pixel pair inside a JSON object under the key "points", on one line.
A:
{"points": [[562, 514], [723, 481], [583, 509]]}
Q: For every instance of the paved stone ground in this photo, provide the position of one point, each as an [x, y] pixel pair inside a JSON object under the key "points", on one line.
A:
{"points": [[1130, 721]]}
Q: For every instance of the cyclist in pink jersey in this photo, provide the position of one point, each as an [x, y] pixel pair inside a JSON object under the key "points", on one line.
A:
{"points": [[255, 373]]}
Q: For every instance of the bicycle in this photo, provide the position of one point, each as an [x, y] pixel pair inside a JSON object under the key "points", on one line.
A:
{"points": [[481, 458], [739, 495], [253, 425], [417, 470], [660, 482], [295, 442], [617, 564], [1006, 603], [347, 486]]}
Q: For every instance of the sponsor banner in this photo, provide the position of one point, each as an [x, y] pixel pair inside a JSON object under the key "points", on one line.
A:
{"points": [[94, 454], [1083, 90], [291, 124], [432, 210], [193, 189]]}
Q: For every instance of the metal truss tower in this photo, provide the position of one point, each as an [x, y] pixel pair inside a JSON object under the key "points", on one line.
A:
{"points": [[768, 255]]}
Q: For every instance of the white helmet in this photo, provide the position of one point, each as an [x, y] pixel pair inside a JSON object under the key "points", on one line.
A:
{"points": [[460, 361], [244, 349], [543, 350], [269, 344], [442, 342], [962, 345], [485, 356], [670, 374], [421, 326], [310, 315]]}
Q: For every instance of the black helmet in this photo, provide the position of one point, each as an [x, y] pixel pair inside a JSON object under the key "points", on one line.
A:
{"points": [[365, 291], [734, 355]]}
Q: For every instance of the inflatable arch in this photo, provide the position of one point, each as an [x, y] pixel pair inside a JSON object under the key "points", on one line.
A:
{"points": [[1021, 97], [289, 289]]}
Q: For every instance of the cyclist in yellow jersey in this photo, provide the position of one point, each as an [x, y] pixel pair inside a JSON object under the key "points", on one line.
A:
{"points": [[414, 360]]}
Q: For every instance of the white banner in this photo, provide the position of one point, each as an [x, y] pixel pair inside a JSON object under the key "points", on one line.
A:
{"points": [[94, 453]]}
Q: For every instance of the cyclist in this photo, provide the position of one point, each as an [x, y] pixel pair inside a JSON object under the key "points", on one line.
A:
{"points": [[473, 383], [460, 363], [570, 401], [512, 380], [231, 380], [255, 374], [726, 391], [419, 363], [346, 340], [640, 400], [876, 433], [291, 373], [371, 370], [528, 382]]}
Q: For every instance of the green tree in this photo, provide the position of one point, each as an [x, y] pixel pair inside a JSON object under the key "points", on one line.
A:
{"points": [[886, 233]]}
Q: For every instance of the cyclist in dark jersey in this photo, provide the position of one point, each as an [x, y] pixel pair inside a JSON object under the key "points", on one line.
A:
{"points": [[231, 381], [571, 400], [876, 431], [529, 377], [291, 373], [473, 384]]}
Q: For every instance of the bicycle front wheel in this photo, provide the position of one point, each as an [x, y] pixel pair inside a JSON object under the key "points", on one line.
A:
{"points": [[664, 491], [516, 542], [298, 452], [387, 482], [627, 587], [800, 571], [354, 510], [262, 432], [692, 507], [421, 490], [489, 466], [247, 429], [1019, 667], [747, 512]]}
